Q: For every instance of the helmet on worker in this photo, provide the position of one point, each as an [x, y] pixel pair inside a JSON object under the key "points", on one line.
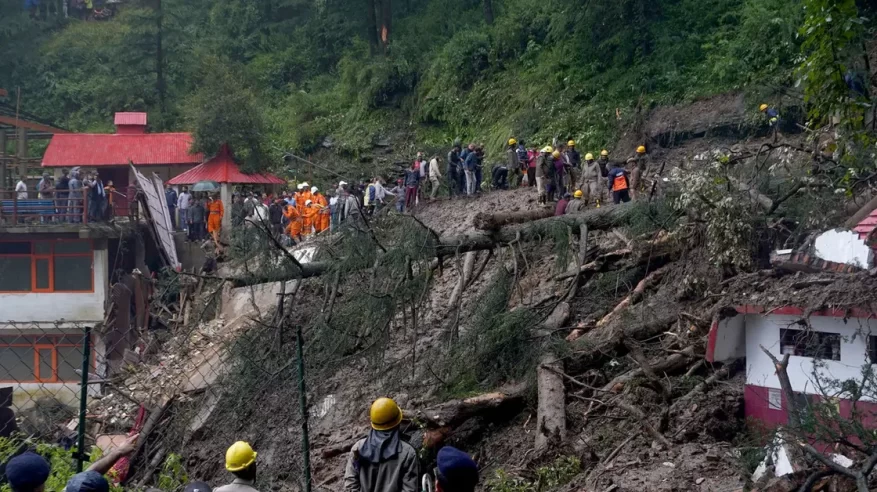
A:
{"points": [[556, 154], [641, 149], [240, 459], [547, 149], [512, 141], [763, 107], [578, 194], [314, 189], [604, 153], [385, 414], [571, 143], [589, 156]]}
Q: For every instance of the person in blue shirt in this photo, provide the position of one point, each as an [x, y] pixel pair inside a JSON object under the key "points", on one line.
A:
{"points": [[773, 118], [470, 165]]}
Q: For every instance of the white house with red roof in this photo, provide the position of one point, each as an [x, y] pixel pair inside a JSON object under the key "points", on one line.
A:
{"points": [[165, 154]]}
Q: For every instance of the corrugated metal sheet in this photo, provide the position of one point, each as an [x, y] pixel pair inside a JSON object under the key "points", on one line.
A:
{"points": [[158, 215], [130, 119], [101, 149], [223, 169], [866, 225]]}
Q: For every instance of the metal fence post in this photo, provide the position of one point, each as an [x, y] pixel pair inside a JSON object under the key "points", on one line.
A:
{"points": [[83, 397], [303, 404]]}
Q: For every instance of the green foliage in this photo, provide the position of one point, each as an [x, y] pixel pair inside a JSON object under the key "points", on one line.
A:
{"points": [[497, 347], [173, 474], [548, 477], [60, 460], [832, 39], [224, 110]]}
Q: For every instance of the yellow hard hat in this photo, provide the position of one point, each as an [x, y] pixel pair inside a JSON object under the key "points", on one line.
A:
{"points": [[604, 153], [763, 107], [513, 141], [641, 149], [578, 194], [239, 456], [385, 414], [571, 143], [589, 156], [547, 149], [556, 154]]}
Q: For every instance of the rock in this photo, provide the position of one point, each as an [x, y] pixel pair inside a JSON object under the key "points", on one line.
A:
{"points": [[699, 481], [668, 464], [712, 455]]}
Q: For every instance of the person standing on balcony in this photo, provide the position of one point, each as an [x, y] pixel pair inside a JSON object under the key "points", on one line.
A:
{"points": [[74, 203], [21, 189], [61, 188]]}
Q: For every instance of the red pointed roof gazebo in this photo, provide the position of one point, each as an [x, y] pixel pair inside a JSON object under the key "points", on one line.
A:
{"points": [[223, 169]]}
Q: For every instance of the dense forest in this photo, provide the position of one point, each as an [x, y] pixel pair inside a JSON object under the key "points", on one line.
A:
{"points": [[272, 76]]}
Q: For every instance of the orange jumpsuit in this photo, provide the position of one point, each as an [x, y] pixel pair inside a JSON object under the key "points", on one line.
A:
{"points": [[322, 222], [309, 215], [215, 211], [303, 197], [294, 218]]}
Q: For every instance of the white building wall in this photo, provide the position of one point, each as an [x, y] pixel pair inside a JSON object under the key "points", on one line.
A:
{"points": [[765, 331], [50, 307]]}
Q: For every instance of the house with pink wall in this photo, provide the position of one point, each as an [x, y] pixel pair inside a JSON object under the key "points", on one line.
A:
{"points": [[843, 341]]}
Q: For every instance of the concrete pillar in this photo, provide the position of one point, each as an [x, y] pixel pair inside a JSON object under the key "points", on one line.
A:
{"points": [[21, 153], [225, 196], [3, 179]]}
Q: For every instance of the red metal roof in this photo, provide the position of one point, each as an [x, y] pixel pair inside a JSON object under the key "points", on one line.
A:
{"points": [[102, 149], [130, 119], [867, 225], [223, 169]]}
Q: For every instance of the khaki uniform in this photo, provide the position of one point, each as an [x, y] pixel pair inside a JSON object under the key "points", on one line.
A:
{"points": [[542, 173], [591, 180], [576, 205]]}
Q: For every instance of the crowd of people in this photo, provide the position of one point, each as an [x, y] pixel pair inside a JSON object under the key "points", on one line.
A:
{"points": [[383, 461], [76, 196]]}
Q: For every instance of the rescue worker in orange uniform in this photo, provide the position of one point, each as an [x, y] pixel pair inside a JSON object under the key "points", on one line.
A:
{"points": [[322, 221], [299, 203], [304, 196], [309, 216], [293, 217], [215, 211]]}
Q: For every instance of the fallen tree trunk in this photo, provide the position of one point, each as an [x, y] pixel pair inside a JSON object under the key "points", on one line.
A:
{"points": [[764, 202], [634, 296], [595, 218], [454, 412], [671, 364], [597, 345], [465, 275], [551, 405], [861, 214]]}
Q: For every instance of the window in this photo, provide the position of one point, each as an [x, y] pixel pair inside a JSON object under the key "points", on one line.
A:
{"points": [[46, 266], [774, 399], [810, 343], [42, 359]]}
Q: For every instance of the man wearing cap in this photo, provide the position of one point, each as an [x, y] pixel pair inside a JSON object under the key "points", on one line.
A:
{"points": [[92, 479], [382, 462], [455, 471], [27, 472], [240, 460]]}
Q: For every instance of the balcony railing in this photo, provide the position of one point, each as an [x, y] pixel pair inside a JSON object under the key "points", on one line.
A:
{"points": [[32, 208]]}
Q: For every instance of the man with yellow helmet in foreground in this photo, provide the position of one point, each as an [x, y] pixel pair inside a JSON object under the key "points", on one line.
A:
{"points": [[382, 462], [572, 162], [240, 460], [638, 171]]}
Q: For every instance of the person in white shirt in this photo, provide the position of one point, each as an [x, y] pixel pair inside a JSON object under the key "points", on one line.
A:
{"points": [[434, 176], [21, 189], [183, 207]]}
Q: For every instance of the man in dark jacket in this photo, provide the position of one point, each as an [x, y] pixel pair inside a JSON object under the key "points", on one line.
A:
{"points": [[455, 471], [455, 172], [61, 189], [275, 216], [469, 169], [170, 195], [382, 462], [196, 218], [412, 182]]}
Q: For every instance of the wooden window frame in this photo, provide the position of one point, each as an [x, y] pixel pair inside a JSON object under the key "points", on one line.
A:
{"points": [[43, 345], [50, 257]]}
